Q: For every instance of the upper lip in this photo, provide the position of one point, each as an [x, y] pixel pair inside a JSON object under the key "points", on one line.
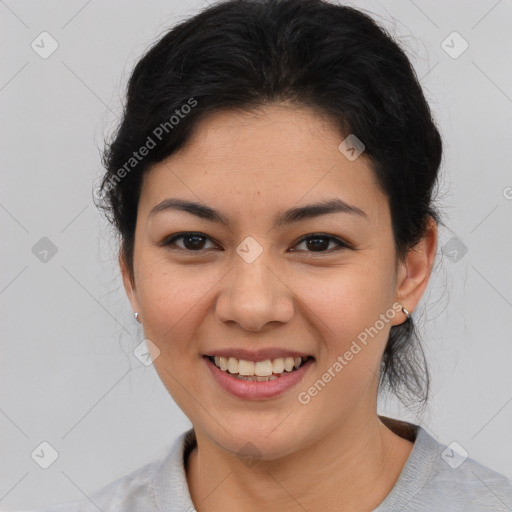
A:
{"points": [[257, 355]]}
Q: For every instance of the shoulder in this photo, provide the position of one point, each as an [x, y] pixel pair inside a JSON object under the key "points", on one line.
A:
{"points": [[149, 488], [140, 490], [130, 493], [439, 477], [469, 487]]}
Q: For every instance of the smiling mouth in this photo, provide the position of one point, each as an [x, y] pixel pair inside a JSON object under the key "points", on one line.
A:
{"points": [[260, 371]]}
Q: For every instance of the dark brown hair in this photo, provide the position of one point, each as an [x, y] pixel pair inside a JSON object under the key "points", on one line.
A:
{"points": [[243, 54]]}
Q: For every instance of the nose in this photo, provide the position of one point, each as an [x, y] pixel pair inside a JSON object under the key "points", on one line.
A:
{"points": [[253, 295]]}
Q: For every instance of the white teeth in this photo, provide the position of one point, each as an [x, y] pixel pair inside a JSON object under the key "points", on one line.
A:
{"points": [[245, 367], [259, 370], [253, 378], [288, 363], [232, 365], [263, 368], [278, 365]]}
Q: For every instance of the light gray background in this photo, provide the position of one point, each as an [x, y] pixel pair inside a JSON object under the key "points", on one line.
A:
{"points": [[68, 375]]}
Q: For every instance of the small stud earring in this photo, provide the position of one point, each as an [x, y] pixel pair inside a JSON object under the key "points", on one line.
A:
{"points": [[136, 315], [406, 312]]}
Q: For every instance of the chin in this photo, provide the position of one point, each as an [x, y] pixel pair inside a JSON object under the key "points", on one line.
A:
{"points": [[263, 443]]}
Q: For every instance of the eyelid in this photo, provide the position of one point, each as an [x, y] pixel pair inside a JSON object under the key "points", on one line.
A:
{"points": [[341, 244], [176, 236]]}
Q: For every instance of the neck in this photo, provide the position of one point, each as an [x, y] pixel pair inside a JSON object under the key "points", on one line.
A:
{"points": [[350, 468]]}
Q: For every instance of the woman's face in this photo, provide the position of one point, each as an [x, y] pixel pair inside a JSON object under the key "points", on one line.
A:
{"points": [[254, 289]]}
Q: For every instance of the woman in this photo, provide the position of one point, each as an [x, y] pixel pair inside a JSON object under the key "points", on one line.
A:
{"points": [[272, 184]]}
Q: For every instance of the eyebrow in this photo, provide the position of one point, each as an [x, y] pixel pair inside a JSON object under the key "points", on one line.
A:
{"points": [[287, 217]]}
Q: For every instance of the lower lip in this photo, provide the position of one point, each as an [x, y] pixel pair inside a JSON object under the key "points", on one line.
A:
{"points": [[254, 390]]}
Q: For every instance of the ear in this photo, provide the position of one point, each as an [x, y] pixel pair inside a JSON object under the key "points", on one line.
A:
{"points": [[128, 283], [414, 271]]}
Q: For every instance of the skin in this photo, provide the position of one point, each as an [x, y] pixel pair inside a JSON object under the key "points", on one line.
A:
{"points": [[334, 453]]}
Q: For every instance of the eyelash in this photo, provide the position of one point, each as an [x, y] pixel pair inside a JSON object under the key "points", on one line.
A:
{"points": [[168, 242]]}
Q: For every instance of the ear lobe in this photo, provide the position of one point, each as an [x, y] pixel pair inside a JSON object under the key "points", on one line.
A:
{"points": [[414, 271], [128, 282]]}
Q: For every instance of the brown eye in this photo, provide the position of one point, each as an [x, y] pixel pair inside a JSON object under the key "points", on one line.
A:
{"points": [[192, 242], [196, 242], [320, 243]]}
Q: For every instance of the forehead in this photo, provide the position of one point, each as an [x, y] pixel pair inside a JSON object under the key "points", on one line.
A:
{"points": [[252, 161]]}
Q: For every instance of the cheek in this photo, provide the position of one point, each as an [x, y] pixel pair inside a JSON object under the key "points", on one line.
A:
{"points": [[173, 301], [339, 301], [174, 306], [347, 307], [346, 300]]}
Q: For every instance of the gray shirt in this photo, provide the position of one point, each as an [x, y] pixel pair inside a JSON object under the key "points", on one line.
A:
{"points": [[435, 478]]}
